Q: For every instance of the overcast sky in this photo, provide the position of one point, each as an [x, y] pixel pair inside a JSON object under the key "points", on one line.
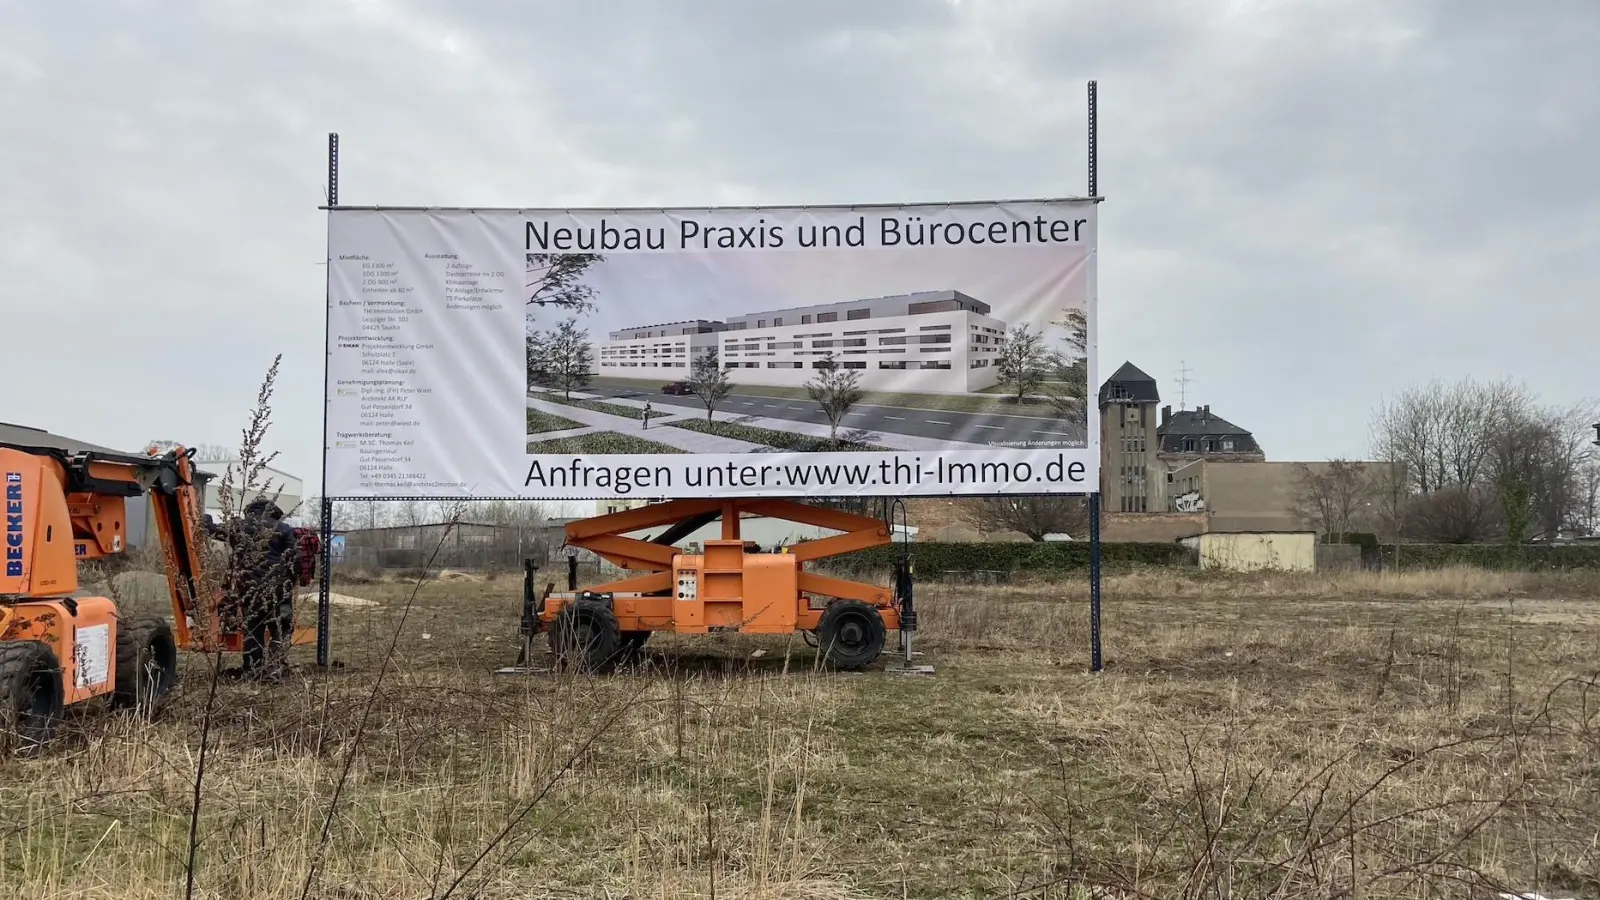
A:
{"points": [[1309, 203]]}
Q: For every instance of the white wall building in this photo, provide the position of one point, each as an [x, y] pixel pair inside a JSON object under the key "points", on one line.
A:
{"points": [[941, 342], [282, 488], [656, 351]]}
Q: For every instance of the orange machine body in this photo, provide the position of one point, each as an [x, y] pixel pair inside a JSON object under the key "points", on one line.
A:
{"points": [[64, 507], [726, 587], [46, 532]]}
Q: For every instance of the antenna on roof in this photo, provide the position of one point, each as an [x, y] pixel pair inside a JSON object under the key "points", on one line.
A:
{"points": [[1183, 385]]}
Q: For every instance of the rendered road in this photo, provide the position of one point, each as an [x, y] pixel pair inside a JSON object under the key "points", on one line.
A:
{"points": [[972, 428]]}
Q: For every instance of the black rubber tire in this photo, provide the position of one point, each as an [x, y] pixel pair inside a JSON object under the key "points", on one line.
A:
{"points": [[147, 665], [32, 695], [851, 634], [585, 634]]}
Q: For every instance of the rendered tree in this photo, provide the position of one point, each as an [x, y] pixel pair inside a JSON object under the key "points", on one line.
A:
{"points": [[1070, 367], [709, 382], [538, 366], [1024, 361], [568, 359], [835, 390], [555, 280]]}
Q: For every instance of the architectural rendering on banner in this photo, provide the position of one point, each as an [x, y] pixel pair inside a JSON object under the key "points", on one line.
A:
{"points": [[940, 342], [492, 352]]}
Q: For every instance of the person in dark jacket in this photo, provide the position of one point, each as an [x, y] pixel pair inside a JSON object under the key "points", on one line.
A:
{"points": [[265, 553]]}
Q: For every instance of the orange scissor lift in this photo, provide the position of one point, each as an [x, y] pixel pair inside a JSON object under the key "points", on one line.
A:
{"points": [[730, 587]]}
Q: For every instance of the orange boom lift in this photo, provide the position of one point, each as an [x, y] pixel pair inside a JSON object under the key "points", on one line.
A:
{"points": [[58, 648], [729, 587]]}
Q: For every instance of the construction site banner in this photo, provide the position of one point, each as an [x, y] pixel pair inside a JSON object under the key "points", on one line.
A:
{"points": [[917, 350]]}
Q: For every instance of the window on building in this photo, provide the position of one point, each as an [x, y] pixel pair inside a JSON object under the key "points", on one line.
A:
{"points": [[854, 314], [1188, 445], [778, 321], [827, 317], [1227, 445], [805, 320]]}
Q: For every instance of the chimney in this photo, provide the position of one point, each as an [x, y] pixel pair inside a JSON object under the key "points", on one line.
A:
{"points": [[1166, 416], [1205, 413]]}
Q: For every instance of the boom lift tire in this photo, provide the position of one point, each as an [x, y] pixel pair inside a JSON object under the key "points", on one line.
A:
{"points": [[851, 634], [586, 633], [147, 665], [31, 689]]}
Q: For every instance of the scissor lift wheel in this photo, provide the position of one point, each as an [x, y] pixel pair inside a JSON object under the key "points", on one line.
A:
{"points": [[851, 634], [585, 634]]}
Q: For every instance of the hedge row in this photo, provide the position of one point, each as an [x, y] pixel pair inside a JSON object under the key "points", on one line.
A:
{"points": [[1526, 557], [935, 557], [781, 440]]}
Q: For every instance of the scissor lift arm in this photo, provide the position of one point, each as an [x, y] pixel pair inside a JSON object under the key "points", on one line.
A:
{"points": [[729, 586]]}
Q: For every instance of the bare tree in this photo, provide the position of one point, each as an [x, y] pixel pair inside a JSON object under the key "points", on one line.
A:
{"points": [[413, 513], [1485, 452], [1034, 516], [1537, 461], [835, 390], [1391, 497], [566, 358], [709, 381], [1443, 433], [1331, 497], [1457, 514], [1024, 362], [555, 279]]}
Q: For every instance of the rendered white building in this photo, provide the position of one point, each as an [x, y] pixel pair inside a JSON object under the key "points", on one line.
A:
{"points": [[930, 342], [656, 350]]}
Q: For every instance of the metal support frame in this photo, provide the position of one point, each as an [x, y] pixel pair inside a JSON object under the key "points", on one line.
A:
{"points": [[325, 576], [324, 611], [1096, 663]]}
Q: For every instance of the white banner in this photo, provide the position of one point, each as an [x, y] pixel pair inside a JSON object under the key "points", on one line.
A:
{"points": [[757, 352]]}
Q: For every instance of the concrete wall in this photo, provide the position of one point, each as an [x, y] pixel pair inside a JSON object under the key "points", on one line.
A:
{"points": [[1253, 552], [1250, 496], [1150, 527]]}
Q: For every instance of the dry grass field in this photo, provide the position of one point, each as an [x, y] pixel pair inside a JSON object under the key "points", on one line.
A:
{"points": [[1421, 735]]}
